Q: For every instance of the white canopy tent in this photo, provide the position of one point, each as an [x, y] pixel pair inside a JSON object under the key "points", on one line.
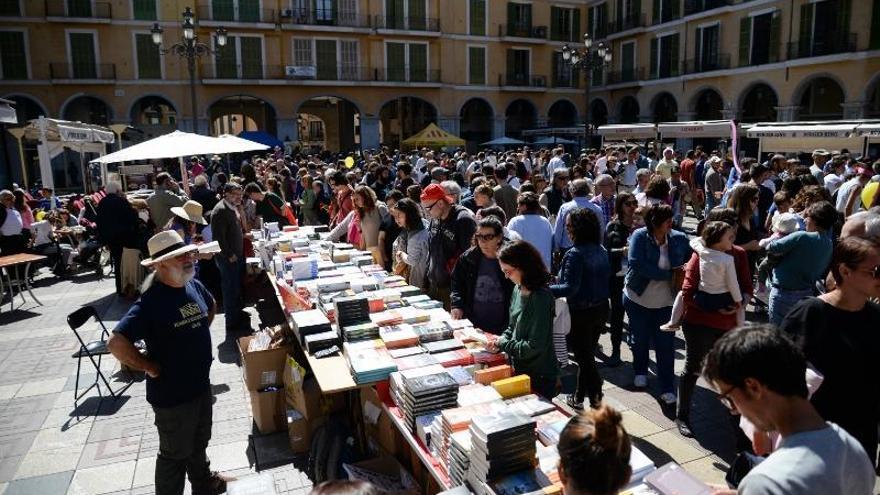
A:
{"points": [[799, 137], [56, 135], [7, 113], [697, 129], [627, 132]]}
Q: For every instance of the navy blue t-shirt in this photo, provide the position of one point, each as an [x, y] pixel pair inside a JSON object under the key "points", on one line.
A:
{"points": [[174, 324]]}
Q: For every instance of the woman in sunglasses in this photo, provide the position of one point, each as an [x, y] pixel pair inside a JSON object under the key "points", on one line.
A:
{"points": [[479, 291], [838, 334]]}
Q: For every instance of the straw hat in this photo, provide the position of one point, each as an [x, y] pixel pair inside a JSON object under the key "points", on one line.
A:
{"points": [[166, 245], [191, 211]]}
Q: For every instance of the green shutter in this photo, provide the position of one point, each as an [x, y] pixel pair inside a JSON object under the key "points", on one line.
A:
{"points": [[875, 25], [417, 15], [225, 63], [575, 25], [222, 10], [745, 38], [144, 10], [79, 8], [674, 67], [655, 12], [806, 32], [477, 65], [12, 55], [591, 21], [675, 10], [251, 57], [325, 51], [602, 22], [511, 14], [555, 24], [844, 16], [249, 10], [418, 62], [148, 60], [527, 18], [595, 77], [654, 42], [620, 14], [395, 59], [395, 14], [478, 17], [775, 36], [511, 65], [82, 54], [10, 8]]}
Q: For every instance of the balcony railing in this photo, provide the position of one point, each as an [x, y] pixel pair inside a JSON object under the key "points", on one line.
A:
{"points": [[673, 70], [406, 23], [665, 14], [565, 36], [522, 31], [211, 71], [407, 74], [220, 14], [335, 73], [565, 81], [323, 17], [626, 75], [830, 45], [523, 80], [697, 65], [697, 6], [79, 9], [626, 23], [63, 70]]}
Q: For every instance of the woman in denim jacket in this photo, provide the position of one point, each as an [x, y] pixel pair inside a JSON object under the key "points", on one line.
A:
{"points": [[655, 252]]}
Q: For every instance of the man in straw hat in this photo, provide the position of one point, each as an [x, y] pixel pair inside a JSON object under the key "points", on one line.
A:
{"points": [[173, 316]]}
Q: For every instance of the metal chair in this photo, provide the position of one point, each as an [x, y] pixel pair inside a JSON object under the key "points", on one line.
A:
{"points": [[96, 348]]}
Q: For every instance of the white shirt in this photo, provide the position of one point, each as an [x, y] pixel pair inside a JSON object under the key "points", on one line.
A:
{"points": [[42, 230], [555, 162], [537, 231], [833, 183], [844, 193], [13, 223], [769, 184], [717, 271], [629, 174]]}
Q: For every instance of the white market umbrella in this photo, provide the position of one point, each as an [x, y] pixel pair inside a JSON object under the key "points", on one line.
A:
{"points": [[178, 144], [503, 141], [235, 144], [553, 140]]}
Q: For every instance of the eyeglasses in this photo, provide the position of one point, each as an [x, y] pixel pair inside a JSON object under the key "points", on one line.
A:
{"points": [[726, 400], [631, 203], [484, 237], [429, 208], [873, 272]]}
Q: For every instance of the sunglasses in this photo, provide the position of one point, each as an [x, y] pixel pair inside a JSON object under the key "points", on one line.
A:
{"points": [[485, 237], [429, 208], [873, 272]]}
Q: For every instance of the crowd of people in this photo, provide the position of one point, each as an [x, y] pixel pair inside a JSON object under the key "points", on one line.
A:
{"points": [[499, 237]]}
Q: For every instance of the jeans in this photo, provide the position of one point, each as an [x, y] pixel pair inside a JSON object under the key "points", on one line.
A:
{"points": [[644, 325], [781, 301], [586, 327], [699, 340], [184, 432], [230, 284], [616, 318]]}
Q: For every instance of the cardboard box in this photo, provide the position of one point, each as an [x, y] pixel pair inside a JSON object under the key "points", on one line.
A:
{"points": [[304, 395], [268, 410], [385, 473], [298, 432], [378, 427], [261, 369]]}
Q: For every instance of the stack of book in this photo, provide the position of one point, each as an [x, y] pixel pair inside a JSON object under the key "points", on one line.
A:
{"points": [[437, 346], [310, 322], [426, 394], [397, 336], [549, 426], [351, 310], [501, 444], [360, 331], [459, 460], [458, 420], [369, 361], [457, 357], [530, 405], [396, 385], [320, 341], [432, 331]]}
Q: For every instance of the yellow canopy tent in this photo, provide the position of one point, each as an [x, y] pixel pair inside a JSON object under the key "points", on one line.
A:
{"points": [[432, 137]]}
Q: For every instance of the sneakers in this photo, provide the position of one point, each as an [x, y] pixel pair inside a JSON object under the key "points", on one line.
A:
{"points": [[683, 428], [672, 326], [762, 295], [572, 402], [668, 398], [640, 381], [596, 402]]}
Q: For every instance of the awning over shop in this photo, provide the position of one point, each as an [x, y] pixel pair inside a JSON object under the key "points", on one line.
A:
{"points": [[433, 137], [7, 113], [623, 132], [800, 137], [697, 129]]}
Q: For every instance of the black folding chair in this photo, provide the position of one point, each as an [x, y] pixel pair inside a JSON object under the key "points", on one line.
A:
{"points": [[97, 348]]}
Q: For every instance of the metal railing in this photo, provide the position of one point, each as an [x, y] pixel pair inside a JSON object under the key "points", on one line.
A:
{"points": [[239, 71], [565, 81], [569, 36], [626, 23], [430, 24], [210, 12], [80, 9], [665, 14], [626, 75], [64, 70], [211, 71], [841, 43], [662, 72], [519, 30], [406, 74], [323, 17], [523, 80], [697, 65], [697, 6]]}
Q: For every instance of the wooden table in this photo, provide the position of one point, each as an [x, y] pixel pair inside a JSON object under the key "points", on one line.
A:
{"points": [[13, 262]]}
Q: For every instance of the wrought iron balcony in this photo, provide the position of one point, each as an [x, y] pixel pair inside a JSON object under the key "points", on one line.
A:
{"points": [[64, 70]]}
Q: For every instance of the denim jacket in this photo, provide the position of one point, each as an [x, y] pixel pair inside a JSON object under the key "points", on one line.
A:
{"points": [[644, 254], [583, 276]]}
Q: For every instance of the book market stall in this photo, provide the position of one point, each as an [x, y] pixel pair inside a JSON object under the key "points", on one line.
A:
{"points": [[417, 389]]}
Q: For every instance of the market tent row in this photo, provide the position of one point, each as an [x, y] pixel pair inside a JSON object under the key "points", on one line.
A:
{"points": [[56, 135], [668, 130], [180, 144], [798, 137], [432, 137]]}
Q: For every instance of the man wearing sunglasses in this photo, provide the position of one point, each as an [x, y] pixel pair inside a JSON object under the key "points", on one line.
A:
{"points": [[758, 372], [451, 230]]}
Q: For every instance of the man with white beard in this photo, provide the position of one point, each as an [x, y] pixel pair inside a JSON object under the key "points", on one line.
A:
{"points": [[173, 317]]}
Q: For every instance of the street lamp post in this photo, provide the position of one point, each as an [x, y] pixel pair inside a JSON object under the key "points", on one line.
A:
{"points": [[587, 59], [189, 48]]}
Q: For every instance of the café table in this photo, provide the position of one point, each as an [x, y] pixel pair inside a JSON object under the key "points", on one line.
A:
{"points": [[21, 282]]}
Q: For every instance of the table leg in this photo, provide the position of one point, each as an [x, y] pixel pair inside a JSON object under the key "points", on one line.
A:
{"points": [[27, 283], [20, 290], [2, 286], [11, 291]]}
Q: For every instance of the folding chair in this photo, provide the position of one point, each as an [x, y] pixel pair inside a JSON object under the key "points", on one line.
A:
{"points": [[92, 349]]}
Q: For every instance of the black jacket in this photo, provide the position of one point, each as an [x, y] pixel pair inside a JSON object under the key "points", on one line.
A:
{"points": [[226, 230], [464, 280], [117, 222]]}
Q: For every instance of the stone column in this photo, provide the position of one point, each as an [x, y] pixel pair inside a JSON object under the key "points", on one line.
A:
{"points": [[646, 119], [541, 122], [450, 124], [853, 110], [369, 132], [203, 123], [287, 129], [498, 128], [730, 114], [787, 114]]}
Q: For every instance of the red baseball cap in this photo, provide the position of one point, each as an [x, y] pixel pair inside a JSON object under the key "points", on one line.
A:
{"points": [[435, 192], [864, 172]]}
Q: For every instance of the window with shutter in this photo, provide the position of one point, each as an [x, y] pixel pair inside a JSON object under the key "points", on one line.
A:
{"points": [[82, 55], [706, 55], [325, 58], [417, 15], [302, 52], [806, 31], [627, 61], [13, 58], [249, 10], [79, 8], [144, 10], [395, 61], [10, 8], [394, 13], [745, 40], [556, 23], [225, 64], [222, 10], [418, 62], [325, 12], [575, 29], [656, 12], [348, 12], [251, 57], [596, 77], [773, 43], [875, 25], [671, 57], [348, 50], [476, 65], [654, 55], [477, 14], [148, 59]]}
